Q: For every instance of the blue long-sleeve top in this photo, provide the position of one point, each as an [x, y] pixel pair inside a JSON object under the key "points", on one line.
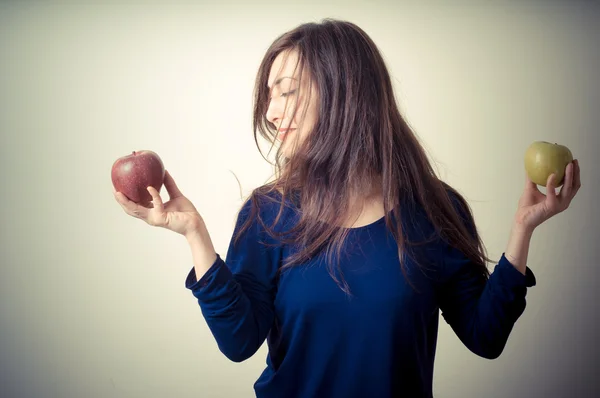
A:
{"points": [[378, 342]]}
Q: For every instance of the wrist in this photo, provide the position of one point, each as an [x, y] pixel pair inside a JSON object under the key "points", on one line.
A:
{"points": [[199, 238], [196, 230], [518, 246], [521, 228], [203, 251]]}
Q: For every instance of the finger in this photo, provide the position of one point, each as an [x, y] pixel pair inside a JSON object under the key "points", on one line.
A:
{"points": [[156, 200], [551, 197], [567, 188], [576, 176], [121, 199], [130, 207], [171, 187]]}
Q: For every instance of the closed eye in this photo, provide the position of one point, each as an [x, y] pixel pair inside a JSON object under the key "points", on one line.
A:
{"points": [[288, 93], [285, 94]]}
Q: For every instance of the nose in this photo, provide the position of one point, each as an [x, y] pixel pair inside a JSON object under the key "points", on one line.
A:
{"points": [[271, 114], [274, 112]]}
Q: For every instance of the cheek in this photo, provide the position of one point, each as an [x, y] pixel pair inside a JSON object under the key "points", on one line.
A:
{"points": [[294, 110], [299, 108]]}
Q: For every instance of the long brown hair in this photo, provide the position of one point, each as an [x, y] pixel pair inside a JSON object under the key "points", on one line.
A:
{"points": [[359, 144]]}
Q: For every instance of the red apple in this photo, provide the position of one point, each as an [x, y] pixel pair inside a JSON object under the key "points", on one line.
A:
{"points": [[131, 175]]}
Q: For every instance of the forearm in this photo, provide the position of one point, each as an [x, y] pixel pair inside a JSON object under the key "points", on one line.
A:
{"points": [[238, 309], [203, 251], [517, 249]]}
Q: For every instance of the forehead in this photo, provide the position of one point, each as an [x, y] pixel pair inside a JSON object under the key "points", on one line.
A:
{"points": [[284, 65]]}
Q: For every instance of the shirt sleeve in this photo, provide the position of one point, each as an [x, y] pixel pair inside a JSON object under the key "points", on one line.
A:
{"points": [[482, 312], [236, 295]]}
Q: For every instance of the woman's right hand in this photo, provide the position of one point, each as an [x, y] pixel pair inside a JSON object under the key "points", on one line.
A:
{"points": [[178, 214]]}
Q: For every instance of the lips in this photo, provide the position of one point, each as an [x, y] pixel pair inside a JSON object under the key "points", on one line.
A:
{"points": [[284, 132]]}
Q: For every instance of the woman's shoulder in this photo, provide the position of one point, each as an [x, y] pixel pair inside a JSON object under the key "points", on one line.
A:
{"points": [[418, 220], [271, 204]]}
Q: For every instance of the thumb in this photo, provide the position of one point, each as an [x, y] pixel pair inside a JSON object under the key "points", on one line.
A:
{"points": [[156, 200], [530, 185]]}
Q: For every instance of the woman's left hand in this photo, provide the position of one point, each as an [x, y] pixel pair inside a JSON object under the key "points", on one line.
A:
{"points": [[535, 207]]}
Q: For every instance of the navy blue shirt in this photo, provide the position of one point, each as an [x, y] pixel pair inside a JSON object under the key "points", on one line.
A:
{"points": [[378, 342]]}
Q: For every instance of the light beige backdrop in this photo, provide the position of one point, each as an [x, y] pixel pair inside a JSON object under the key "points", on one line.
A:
{"points": [[92, 302]]}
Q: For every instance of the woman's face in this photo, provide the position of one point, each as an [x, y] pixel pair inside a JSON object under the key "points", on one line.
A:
{"points": [[288, 94]]}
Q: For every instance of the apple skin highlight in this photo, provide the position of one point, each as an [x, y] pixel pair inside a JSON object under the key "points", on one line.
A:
{"points": [[131, 174]]}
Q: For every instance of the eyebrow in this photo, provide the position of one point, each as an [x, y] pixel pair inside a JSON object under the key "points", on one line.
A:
{"points": [[280, 79]]}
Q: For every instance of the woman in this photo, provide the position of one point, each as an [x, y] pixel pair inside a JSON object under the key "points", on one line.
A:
{"points": [[344, 261]]}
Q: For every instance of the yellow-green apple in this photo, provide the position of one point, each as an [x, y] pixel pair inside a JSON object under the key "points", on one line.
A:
{"points": [[544, 158]]}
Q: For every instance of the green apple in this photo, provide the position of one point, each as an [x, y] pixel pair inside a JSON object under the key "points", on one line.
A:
{"points": [[544, 158]]}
